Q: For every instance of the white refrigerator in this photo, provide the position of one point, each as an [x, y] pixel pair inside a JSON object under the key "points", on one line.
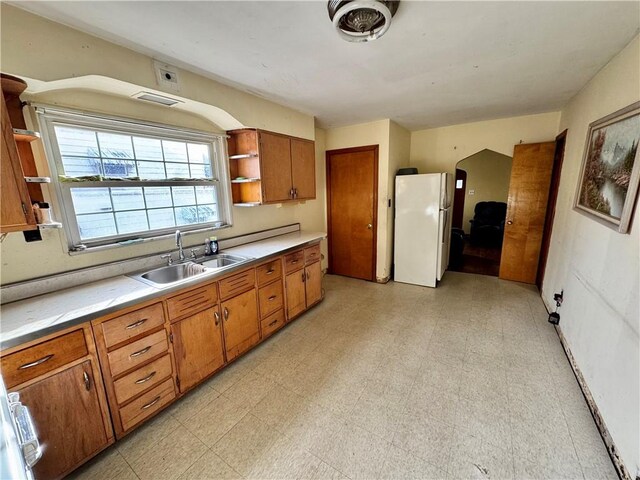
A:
{"points": [[422, 227]]}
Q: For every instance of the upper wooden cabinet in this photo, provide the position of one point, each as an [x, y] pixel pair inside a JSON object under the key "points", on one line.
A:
{"points": [[269, 167], [16, 213]]}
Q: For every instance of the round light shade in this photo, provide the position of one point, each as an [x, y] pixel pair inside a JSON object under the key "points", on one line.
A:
{"points": [[361, 20]]}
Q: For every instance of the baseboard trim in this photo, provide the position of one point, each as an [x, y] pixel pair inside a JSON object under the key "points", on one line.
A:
{"points": [[621, 470]]}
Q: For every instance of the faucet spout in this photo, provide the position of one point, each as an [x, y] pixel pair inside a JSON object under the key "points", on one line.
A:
{"points": [[181, 256]]}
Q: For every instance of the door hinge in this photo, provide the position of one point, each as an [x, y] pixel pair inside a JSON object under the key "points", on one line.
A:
{"points": [[24, 208]]}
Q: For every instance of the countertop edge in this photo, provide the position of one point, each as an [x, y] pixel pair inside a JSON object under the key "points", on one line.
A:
{"points": [[161, 292]]}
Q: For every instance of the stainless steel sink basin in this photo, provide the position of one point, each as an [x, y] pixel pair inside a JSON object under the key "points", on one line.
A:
{"points": [[172, 273], [222, 260], [175, 274]]}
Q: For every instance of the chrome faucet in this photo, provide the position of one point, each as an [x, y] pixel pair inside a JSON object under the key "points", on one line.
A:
{"points": [[181, 257]]}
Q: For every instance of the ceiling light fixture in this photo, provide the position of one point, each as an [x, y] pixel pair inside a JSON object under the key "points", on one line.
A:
{"points": [[362, 20]]}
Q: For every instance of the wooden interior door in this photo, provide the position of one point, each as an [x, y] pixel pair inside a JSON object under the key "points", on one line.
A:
{"points": [[197, 344], [526, 209], [303, 168], [352, 197], [275, 161], [66, 412], [458, 199]]}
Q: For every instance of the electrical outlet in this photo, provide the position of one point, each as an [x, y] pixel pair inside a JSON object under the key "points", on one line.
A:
{"points": [[167, 76]]}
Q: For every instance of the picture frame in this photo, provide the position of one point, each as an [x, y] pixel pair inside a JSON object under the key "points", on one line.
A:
{"points": [[608, 184]]}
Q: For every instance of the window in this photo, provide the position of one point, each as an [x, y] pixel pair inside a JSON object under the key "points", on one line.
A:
{"points": [[117, 180]]}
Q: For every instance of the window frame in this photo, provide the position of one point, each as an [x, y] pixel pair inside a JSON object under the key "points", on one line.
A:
{"points": [[50, 117]]}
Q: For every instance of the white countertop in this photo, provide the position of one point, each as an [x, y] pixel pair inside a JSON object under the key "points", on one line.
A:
{"points": [[36, 317]]}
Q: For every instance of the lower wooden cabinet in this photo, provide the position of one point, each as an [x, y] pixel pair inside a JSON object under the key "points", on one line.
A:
{"points": [[303, 282], [296, 301], [65, 408], [197, 347], [241, 323], [313, 284]]}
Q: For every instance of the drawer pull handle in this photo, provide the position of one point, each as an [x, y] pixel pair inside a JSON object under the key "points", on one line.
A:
{"points": [[216, 317], [135, 324], [273, 323], [87, 381], [293, 262], [270, 271], [146, 379], [140, 352], [272, 297], [36, 363], [151, 403], [226, 313]]}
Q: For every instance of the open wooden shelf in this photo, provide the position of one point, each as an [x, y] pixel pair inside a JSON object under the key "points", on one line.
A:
{"points": [[21, 135]]}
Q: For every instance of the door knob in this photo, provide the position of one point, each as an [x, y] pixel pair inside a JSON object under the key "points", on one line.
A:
{"points": [[509, 222], [369, 226]]}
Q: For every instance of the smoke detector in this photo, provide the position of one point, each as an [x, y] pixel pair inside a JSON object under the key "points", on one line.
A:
{"points": [[362, 20]]}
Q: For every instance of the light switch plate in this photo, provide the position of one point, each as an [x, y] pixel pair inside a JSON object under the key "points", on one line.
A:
{"points": [[472, 192]]}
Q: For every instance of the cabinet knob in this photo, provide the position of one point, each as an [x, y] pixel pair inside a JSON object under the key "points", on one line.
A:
{"points": [[226, 313], [369, 226], [216, 317], [509, 222]]}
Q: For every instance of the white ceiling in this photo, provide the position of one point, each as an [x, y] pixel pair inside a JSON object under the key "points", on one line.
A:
{"points": [[440, 63]]}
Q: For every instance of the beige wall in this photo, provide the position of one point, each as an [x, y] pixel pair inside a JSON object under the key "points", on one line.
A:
{"points": [[373, 133], [399, 147], [599, 269], [488, 176], [39, 49], [439, 149]]}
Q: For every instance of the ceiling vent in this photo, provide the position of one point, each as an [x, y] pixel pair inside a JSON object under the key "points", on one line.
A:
{"points": [[155, 98], [362, 20]]}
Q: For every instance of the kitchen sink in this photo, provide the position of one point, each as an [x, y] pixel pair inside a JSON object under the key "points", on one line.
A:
{"points": [[174, 274], [222, 260]]}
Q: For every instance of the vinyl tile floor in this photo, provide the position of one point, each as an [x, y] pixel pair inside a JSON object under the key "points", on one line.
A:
{"points": [[381, 382]]}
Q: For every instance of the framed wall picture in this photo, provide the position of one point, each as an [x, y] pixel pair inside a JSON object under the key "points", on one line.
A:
{"points": [[610, 173]]}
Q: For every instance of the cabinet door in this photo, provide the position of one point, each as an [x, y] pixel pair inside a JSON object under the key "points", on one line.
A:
{"points": [[313, 283], [197, 345], [275, 161], [66, 412], [15, 209], [303, 168], [295, 293], [241, 323]]}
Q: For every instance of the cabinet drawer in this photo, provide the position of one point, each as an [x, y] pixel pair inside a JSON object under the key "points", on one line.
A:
{"points": [[147, 404], [272, 323], [311, 254], [269, 271], [270, 298], [132, 324], [42, 358], [138, 352], [236, 284], [192, 301], [142, 379], [293, 261]]}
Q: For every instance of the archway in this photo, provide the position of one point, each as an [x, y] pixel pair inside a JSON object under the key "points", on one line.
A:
{"points": [[480, 201]]}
